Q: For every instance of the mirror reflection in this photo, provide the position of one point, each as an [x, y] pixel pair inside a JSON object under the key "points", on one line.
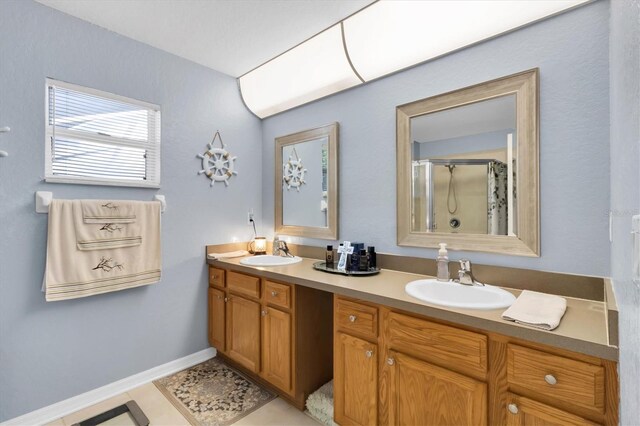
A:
{"points": [[305, 183], [463, 162], [306, 187]]}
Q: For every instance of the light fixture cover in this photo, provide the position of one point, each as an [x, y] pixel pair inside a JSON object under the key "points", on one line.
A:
{"points": [[391, 35], [385, 37], [316, 68]]}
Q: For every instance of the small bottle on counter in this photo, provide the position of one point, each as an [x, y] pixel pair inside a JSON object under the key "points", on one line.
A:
{"points": [[372, 257], [328, 257], [364, 261], [442, 263]]}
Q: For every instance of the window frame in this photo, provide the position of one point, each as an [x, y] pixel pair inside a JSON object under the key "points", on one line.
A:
{"points": [[154, 132]]}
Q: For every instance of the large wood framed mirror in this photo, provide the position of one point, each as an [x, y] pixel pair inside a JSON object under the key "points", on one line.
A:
{"points": [[306, 201], [468, 168]]}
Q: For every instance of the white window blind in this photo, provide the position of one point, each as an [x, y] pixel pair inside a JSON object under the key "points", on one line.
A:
{"points": [[98, 138]]}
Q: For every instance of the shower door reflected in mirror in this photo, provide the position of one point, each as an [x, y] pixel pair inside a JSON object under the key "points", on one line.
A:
{"points": [[463, 164], [467, 168]]}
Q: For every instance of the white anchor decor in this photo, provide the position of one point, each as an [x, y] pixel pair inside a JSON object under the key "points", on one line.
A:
{"points": [[293, 172], [217, 163]]}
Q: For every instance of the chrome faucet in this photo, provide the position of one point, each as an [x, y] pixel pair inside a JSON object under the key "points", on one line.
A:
{"points": [[465, 276], [279, 247]]}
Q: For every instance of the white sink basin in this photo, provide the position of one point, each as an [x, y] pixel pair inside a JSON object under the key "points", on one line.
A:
{"points": [[269, 260], [456, 295]]}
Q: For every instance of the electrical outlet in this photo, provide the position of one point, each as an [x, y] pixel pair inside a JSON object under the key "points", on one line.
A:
{"points": [[250, 217]]}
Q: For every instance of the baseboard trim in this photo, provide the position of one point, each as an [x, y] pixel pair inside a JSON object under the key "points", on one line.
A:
{"points": [[63, 408]]}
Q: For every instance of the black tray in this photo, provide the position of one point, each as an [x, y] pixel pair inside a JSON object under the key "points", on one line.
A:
{"points": [[322, 266]]}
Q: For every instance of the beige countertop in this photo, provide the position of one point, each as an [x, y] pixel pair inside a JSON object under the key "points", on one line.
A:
{"points": [[583, 329]]}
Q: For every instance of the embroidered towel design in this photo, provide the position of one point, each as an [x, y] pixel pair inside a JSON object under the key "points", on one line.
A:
{"points": [[95, 236], [107, 212], [71, 273]]}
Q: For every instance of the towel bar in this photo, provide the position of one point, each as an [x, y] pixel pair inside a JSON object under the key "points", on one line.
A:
{"points": [[43, 200]]}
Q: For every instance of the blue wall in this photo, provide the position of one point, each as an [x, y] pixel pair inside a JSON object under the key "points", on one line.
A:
{"points": [[625, 193], [53, 351], [572, 52]]}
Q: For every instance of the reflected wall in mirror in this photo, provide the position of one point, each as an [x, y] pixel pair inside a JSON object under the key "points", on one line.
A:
{"points": [[306, 184], [468, 168]]}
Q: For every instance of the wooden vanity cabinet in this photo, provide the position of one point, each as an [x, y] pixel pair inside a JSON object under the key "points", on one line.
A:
{"points": [[433, 373], [255, 327]]}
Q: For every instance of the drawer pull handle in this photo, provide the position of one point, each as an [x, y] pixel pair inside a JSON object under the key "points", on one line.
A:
{"points": [[264, 313], [352, 318], [274, 293], [549, 378], [513, 408], [216, 277], [368, 354], [391, 361]]}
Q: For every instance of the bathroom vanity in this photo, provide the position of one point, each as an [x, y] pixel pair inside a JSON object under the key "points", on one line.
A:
{"points": [[396, 360]]}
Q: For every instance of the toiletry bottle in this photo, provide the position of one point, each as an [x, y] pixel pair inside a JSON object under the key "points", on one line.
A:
{"points": [[372, 257], [443, 263], [364, 260], [355, 261], [328, 257]]}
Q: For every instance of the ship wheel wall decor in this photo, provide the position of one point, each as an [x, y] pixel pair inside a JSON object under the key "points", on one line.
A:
{"points": [[217, 164], [293, 172]]}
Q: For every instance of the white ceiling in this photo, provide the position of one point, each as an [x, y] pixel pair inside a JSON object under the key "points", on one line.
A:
{"points": [[232, 36]]}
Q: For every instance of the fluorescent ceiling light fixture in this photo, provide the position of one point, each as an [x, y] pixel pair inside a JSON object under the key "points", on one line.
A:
{"points": [[383, 38], [392, 35], [316, 68]]}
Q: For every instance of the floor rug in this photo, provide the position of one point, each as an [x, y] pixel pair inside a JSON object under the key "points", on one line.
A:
{"points": [[212, 393]]}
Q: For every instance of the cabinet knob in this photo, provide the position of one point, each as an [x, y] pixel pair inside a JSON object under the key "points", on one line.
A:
{"points": [[274, 293], [264, 313], [513, 408], [391, 361], [352, 318], [215, 277], [368, 354], [549, 378], [226, 299]]}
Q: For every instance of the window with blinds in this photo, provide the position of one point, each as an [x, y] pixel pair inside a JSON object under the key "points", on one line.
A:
{"points": [[98, 138]]}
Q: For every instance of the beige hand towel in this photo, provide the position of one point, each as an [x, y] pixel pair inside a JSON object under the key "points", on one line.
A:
{"points": [[95, 236], [71, 273], [537, 310], [107, 211], [227, 255]]}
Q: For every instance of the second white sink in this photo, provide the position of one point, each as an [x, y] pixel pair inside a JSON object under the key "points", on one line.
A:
{"points": [[269, 260], [456, 295]]}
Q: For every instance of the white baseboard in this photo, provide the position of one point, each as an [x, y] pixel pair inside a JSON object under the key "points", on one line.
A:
{"points": [[71, 405]]}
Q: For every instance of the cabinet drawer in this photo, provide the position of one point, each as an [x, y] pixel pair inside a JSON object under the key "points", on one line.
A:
{"points": [[243, 284], [574, 382], [446, 346], [216, 277], [277, 294], [356, 317]]}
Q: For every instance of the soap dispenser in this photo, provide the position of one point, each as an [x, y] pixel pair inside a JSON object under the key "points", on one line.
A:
{"points": [[443, 263]]}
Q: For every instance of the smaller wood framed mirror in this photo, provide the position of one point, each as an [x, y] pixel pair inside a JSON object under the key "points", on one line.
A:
{"points": [[306, 183]]}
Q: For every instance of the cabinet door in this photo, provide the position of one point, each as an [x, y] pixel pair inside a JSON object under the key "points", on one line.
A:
{"points": [[243, 332], [424, 394], [356, 381], [527, 412], [276, 347], [216, 319]]}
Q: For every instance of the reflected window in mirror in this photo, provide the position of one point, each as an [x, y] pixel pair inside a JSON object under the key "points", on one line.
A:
{"points": [[306, 201], [467, 168]]}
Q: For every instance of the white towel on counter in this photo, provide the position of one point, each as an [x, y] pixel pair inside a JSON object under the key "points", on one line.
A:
{"points": [[71, 273], [108, 211], [96, 236], [537, 310], [227, 255]]}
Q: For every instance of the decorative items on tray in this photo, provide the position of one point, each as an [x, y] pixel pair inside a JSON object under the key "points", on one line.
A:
{"points": [[353, 260]]}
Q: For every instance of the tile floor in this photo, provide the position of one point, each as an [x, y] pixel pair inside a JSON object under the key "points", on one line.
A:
{"points": [[162, 413]]}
